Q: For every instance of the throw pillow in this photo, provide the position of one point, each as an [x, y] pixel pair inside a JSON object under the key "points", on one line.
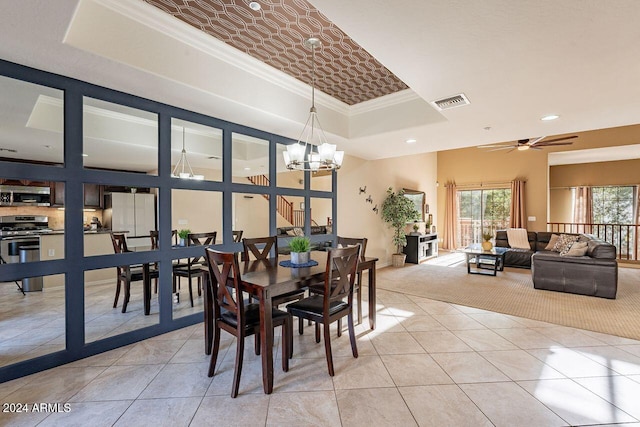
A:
{"points": [[552, 242], [291, 232], [564, 243], [577, 249], [298, 232]]}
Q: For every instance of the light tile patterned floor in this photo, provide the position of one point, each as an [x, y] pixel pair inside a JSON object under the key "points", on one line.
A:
{"points": [[427, 363]]}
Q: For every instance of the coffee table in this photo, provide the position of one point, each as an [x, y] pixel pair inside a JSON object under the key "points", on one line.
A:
{"points": [[486, 263]]}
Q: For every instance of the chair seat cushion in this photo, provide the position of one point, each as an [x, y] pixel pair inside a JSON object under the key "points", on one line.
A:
{"points": [[252, 315], [314, 304], [136, 274]]}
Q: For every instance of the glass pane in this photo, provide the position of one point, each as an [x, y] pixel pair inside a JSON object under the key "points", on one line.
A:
{"points": [[120, 138], [31, 122], [202, 158], [290, 211], [32, 325], [195, 211], [321, 218], [251, 215], [321, 180], [250, 160], [102, 319], [131, 211], [287, 178]]}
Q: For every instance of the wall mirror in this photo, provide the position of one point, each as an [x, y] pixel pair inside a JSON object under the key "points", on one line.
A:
{"points": [[418, 199]]}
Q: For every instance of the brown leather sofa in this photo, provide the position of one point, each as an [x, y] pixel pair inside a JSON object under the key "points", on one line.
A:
{"points": [[594, 274]]}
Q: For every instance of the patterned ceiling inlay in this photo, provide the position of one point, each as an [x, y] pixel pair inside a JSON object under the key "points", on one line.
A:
{"points": [[275, 35]]}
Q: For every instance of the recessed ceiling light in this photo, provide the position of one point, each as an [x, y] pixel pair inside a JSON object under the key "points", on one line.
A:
{"points": [[410, 141], [247, 169], [85, 155], [254, 5], [549, 117]]}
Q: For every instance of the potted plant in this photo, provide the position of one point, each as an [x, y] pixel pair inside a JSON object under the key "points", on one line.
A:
{"points": [[415, 231], [300, 249], [397, 210], [183, 234], [487, 235]]}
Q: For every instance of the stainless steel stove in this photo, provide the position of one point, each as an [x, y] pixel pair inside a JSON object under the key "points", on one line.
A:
{"points": [[23, 225]]}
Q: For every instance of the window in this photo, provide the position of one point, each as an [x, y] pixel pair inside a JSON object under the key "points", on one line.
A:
{"points": [[613, 205], [480, 210]]}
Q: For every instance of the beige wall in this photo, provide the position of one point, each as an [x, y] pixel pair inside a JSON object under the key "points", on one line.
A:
{"points": [[475, 166], [622, 172], [356, 217], [560, 205]]}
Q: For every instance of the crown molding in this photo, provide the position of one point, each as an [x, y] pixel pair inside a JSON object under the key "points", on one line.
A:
{"points": [[384, 102]]}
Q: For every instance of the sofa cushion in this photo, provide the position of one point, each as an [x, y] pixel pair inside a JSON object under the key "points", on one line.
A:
{"points": [[518, 258], [564, 243], [577, 249], [552, 242]]}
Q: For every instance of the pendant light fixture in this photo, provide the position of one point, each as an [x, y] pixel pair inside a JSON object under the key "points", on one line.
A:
{"points": [[180, 169], [325, 157]]}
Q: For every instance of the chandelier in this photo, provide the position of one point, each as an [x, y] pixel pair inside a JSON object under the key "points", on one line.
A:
{"points": [[312, 136], [180, 169]]}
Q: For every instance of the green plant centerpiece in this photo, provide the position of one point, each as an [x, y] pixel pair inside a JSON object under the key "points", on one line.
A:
{"points": [[487, 235], [396, 211], [300, 249], [183, 234]]}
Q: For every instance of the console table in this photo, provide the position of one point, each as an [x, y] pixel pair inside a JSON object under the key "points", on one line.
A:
{"points": [[421, 247]]}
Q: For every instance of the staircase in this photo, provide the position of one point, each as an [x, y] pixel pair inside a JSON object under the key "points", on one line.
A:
{"points": [[283, 206]]}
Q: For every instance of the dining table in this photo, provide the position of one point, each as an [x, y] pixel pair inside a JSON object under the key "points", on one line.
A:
{"points": [[267, 279]]}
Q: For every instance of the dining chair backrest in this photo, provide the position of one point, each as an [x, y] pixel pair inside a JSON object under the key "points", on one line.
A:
{"points": [[259, 247], [201, 239], [174, 237], [224, 271], [119, 242], [350, 241], [153, 234], [237, 236], [340, 274]]}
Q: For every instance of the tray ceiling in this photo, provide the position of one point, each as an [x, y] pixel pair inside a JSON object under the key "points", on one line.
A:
{"points": [[275, 35]]}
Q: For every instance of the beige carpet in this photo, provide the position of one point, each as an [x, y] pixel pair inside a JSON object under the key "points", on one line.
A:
{"points": [[512, 292]]}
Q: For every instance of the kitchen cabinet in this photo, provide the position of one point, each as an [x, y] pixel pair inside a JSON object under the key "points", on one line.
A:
{"points": [[93, 195]]}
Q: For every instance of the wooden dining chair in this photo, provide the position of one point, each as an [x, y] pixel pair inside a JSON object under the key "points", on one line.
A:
{"points": [[237, 236], [339, 279], [350, 241], [234, 316], [127, 273], [196, 267], [260, 248]]}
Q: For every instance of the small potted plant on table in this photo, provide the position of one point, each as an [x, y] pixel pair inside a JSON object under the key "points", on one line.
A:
{"points": [[300, 249], [183, 235], [487, 235]]}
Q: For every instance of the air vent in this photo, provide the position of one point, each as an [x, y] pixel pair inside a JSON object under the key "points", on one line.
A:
{"points": [[450, 102]]}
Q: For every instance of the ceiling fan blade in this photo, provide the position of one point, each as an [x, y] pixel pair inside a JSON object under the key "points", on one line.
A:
{"points": [[559, 139], [535, 141], [551, 144], [495, 146], [506, 147]]}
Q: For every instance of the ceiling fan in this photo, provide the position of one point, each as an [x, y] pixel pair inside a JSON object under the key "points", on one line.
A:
{"points": [[531, 143]]}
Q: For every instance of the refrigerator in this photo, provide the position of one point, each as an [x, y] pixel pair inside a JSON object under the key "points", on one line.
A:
{"points": [[134, 213]]}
